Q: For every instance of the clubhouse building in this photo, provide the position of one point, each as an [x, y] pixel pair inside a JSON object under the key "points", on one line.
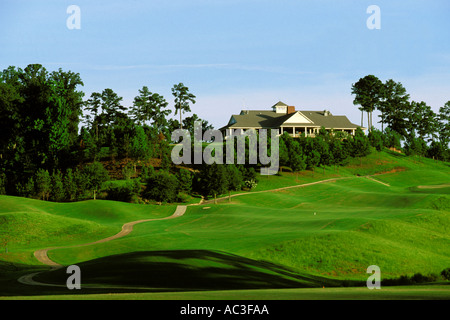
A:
{"points": [[285, 118]]}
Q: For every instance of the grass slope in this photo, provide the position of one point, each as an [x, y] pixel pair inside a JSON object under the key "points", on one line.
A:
{"points": [[302, 236], [28, 225]]}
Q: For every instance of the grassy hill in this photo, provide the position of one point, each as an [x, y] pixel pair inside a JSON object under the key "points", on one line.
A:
{"points": [[299, 237]]}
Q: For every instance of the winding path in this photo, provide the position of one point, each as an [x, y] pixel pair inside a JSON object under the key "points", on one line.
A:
{"points": [[275, 190], [127, 228], [42, 255]]}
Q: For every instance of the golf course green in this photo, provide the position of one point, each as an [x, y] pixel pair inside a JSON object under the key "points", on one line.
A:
{"points": [[324, 230]]}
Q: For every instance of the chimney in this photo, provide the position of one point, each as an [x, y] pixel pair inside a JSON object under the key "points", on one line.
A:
{"points": [[290, 109]]}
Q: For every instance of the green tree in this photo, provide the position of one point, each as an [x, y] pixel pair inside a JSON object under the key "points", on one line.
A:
{"points": [[111, 105], [339, 153], [444, 124], [392, 139], [283, 149], [189, 124], [312, 155], [92, 106], [43, 184], [57, 187], [235, 178], [82, 184], [360, 145], [140, 109], [182, 99], [150, 106], [213, 180], [185, 177], [140, 149], [41, 134], [394, 107], [166, 160], [70, 185], [376, 139], [2, 183], [297, 160], [423, 121], [162, 187], [369, 92], [146, 172], [438, 151], [95, 175], [415, 145]]}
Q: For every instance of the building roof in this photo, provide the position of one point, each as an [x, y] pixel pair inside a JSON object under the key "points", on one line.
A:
{"points": [[270, 119]]}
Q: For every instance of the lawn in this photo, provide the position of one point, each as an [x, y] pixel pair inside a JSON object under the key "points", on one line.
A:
{"points": [[307, 236]]}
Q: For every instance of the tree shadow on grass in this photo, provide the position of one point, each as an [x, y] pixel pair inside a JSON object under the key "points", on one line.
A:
{"points": [[185, 270]]}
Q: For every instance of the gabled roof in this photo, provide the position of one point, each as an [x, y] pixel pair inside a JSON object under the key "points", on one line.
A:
{"points": [[258, 119], [280, 104], [270, 119], [330, 121]]}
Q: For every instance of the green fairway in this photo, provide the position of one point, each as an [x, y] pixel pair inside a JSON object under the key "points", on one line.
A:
{"points": [[308, 236], [28, 225], [423, 292]]}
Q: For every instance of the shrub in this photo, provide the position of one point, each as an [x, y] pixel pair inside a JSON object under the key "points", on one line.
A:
{"points": [[126, 191], [128, 171], [250, 184], [185, 178], [162, 187], [446, 274], [146, 172]]}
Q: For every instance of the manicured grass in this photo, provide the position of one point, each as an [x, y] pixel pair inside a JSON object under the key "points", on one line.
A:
{"points": [[181, 270], [358, 222], [423, 292], [303, 236], [28, 225]]}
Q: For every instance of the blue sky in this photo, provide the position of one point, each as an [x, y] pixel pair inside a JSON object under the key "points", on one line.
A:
{"points": [[236, 55]]}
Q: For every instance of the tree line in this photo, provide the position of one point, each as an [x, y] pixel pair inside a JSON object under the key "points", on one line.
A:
{"points": [[421, 130], [46, 125], [54, 142]]}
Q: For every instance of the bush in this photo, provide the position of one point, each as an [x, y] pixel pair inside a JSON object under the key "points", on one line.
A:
{"points": [[185, 178], [250, 184], [162, 187], [146, 172], [446, 274], [128, 171], [126, 191], [417, 278]]}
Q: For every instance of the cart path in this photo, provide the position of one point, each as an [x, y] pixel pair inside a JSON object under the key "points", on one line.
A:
{"points": [[42, 254], [370, 177], [278, 189]]}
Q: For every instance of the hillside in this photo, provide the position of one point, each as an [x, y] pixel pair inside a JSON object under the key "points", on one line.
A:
{"points": [[397, 218]]}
